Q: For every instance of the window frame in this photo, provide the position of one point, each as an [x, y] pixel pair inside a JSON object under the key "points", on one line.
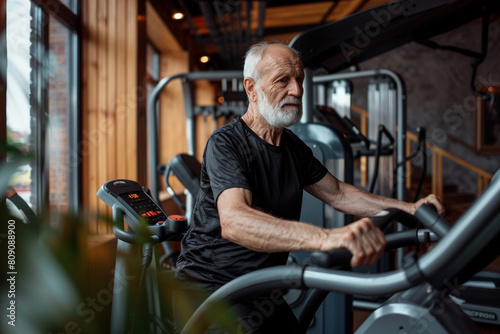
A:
{"points": [[42, 11]]}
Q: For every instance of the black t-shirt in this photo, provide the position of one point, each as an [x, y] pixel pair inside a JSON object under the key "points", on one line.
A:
{"points": [[235, 157]]}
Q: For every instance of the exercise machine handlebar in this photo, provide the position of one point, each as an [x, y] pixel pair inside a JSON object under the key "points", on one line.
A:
{"points": [[342, 257], [128, 236], [385, 217], [428, 215]]}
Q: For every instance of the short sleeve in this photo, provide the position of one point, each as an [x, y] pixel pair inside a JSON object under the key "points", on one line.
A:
{"points": [[225, 164], [315, 169], [312, 170]]}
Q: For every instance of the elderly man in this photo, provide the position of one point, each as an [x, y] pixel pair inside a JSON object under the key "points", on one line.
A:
{"points": [[254, 171]]}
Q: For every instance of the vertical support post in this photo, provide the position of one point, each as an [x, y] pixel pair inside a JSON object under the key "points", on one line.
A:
{"points": [[408, 163], [480, 184], [321, 94], [400, 136], [437, 174], [153, 121], [190, 117], [363, 166], [340, 96], [120, 307], [307, 97]]}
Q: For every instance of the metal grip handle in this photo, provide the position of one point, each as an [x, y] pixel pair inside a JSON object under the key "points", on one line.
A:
{"points": [[342, 257]]}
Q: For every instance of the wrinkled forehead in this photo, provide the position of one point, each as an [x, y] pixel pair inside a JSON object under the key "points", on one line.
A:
{"points": [[280, 59]]}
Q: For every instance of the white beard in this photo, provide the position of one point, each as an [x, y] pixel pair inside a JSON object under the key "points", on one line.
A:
{"points": [[274, 115]]}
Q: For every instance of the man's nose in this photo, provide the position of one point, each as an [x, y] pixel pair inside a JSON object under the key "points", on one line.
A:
{"points": [[295, 88]]}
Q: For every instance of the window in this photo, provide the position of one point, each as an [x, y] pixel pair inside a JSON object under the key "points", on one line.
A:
{"points": [[62, 158], [18, 90], [42, 102]]}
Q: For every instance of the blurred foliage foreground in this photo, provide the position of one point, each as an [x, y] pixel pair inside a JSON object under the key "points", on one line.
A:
{"points": [[44, 269], [50, 283]]}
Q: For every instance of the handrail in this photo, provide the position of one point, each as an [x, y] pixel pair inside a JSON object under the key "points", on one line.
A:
{"points": [[438, 153]]}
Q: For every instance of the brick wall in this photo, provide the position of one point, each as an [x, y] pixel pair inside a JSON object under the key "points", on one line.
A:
{"points": [[439, 96]]}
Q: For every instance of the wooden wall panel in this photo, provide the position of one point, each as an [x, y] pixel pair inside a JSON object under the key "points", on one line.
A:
{"points": [[121, 105], [109, 82], [112, 92], [173, 60], [89, 109], [128, 139], [173, 118], [103, 114]]}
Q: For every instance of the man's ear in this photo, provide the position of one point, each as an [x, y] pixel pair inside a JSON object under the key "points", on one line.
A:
{"points": [[250, 88]]}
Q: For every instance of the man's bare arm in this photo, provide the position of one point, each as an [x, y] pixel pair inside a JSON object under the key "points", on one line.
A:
{"points": [[256, 230], [358, 202]]}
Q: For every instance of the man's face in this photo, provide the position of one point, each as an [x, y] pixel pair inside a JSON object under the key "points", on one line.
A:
{"points": [[279, 89], [285, 113]]}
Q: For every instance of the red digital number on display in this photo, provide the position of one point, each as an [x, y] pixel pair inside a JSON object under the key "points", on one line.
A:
{"points": [[133, 196], [151, 213]]}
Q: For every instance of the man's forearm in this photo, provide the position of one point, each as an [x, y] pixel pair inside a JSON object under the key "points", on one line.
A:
{"points": [[349, 199], [261, 232], [358, 202]]}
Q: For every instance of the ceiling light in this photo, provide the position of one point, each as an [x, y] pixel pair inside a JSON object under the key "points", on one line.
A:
{"points": [[204, 59], [177, 15]]}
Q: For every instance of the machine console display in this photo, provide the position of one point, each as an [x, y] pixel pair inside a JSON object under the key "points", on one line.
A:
{"points": [[139, 207]]}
